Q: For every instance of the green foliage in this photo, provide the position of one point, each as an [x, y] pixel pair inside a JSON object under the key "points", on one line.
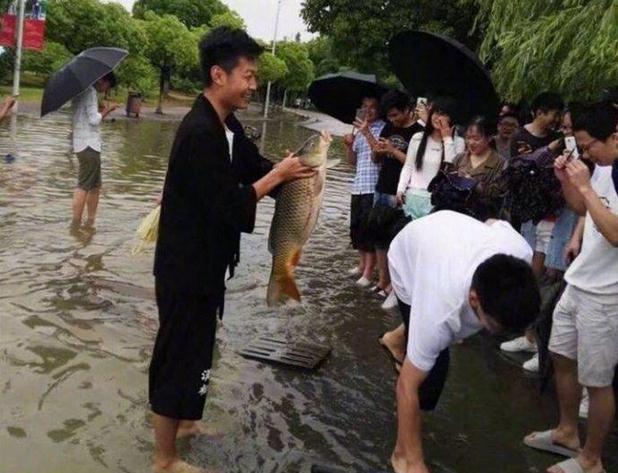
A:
{"points": [[300, 68], [138, 75], [271, 68], [228, 18], [170, 43], [190, 12], [45, 62], [321, 54], [360, 29], [83, 24], [569, 46]]}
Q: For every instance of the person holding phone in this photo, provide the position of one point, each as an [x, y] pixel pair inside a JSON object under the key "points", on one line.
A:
{"points": [[584, 336], [427, 152], [359, 149]]}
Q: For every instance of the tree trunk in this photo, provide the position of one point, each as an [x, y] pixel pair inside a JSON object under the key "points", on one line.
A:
{"points": [[159, 110], [285, 97]]}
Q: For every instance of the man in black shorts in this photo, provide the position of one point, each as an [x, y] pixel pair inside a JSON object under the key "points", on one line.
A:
{"points": [[214, 181]]}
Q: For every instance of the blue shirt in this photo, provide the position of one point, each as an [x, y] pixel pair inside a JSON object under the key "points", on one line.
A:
{"points": [[367, 172]]}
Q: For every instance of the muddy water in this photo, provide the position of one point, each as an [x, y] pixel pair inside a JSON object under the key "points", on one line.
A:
{"points": [[78, 319]]}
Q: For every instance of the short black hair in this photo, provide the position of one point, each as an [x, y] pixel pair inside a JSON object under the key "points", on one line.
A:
{"points": [[394, 99], [111, 78], [508, 291], [513, 107], [223, 47], [486, 126], [547, 101], [599, 120], [508, 115]]}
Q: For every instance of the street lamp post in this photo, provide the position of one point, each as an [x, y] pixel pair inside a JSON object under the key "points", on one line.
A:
{"points": [[267, 101], [18, 47]]}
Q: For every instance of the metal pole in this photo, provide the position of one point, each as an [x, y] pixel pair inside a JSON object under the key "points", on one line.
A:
{"points": [[18, 48], [267, 101]]}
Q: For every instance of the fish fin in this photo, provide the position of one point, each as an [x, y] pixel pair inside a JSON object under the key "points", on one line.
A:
{"points": [[295, 259], [331, 163], [281, 285]]}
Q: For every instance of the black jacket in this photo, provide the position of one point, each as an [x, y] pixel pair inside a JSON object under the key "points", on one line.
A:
{"points": [[207, 202]]}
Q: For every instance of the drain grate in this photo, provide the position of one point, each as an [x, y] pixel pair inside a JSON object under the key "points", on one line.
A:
{"points": [[276, 350]]}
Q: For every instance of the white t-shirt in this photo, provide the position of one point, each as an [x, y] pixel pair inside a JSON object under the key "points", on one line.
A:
{"points": [[413, 178], [86, 121], [432, 261], [595, 269], [230, 140]]}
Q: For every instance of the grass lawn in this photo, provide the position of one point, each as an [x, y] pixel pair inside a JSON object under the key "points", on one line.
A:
{"points": [[33, 94]]}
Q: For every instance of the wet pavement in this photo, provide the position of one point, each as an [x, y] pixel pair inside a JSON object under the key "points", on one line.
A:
{"points": [[78, 320]]}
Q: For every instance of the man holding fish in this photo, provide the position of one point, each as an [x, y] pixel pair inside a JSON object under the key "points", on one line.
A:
{"points": [[214, 180]]}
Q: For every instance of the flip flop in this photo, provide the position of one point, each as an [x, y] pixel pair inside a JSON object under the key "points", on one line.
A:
{"points": [[543, 441], [397, 364], [571, 466]]}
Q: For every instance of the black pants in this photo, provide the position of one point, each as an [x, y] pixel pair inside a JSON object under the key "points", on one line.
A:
{"points": [[431, 389], [182, 357], [360, 207]]}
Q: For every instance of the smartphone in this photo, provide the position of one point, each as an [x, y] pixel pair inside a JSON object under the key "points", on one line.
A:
{"points": [[361, 113], [421, 101], [571, 145]]}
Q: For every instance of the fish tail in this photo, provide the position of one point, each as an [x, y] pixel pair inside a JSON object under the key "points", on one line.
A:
{"points": [[282, 283]]}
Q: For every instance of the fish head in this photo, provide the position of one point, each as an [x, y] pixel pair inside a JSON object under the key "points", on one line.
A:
{"points": [[314, 151]]}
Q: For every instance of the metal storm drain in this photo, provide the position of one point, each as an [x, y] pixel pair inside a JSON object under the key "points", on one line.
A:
{"points": [[276, 350]]}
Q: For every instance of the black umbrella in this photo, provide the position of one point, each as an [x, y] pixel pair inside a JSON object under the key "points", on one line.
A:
{"points": [[339, 95], [432, 65], [80, 73]]}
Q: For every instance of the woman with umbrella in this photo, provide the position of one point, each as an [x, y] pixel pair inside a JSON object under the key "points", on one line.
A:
{"points": [[89, 72]]}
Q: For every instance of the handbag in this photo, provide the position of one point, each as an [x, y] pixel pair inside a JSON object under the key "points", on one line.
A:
{"points": [[450, 191]]}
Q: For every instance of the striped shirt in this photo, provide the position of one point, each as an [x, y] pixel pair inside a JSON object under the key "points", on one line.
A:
{"points": [[367, 172]]}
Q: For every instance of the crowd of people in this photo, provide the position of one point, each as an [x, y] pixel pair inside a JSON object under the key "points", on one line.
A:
{"points": [[497, 210], [456, 226]]}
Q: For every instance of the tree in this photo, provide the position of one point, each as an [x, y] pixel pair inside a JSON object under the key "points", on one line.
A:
{"points": [[170, 44], [569, 46], [190, 12], [45, 62], [137, 74], [300, 68], [321, 55], [360, 29], [271, 68], [228, 18], [88, 23]]}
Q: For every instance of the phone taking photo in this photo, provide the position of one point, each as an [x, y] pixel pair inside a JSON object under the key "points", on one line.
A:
{"points": [[421, 101], [571, 146], [361, 114]]}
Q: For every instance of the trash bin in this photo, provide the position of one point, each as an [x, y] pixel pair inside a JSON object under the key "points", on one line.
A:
{"points": [[134, 104]]}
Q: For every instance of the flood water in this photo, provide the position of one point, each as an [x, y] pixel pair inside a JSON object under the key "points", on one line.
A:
{"points": [[78, 321]]}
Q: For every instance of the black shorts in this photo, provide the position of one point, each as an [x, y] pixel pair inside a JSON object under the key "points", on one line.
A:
{"points": [[430, 391], [182, 356], [360, 207]]}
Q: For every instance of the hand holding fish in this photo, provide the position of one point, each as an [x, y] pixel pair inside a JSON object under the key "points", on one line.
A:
{"points": [[291, 168]]}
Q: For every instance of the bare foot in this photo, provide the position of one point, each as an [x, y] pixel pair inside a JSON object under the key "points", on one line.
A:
{"points": [[399, 463], [391, 341], [178, 466], [195, 429]]}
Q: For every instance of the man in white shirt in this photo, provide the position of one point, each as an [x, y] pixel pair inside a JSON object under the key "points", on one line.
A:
{"points": [[584, 337], [87, 147], [454, 275]]}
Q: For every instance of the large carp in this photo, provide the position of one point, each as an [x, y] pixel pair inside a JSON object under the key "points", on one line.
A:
{"points": [[296, 213]]}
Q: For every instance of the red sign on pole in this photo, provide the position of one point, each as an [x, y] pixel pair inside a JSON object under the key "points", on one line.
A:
{"points": [[34, 29]]}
